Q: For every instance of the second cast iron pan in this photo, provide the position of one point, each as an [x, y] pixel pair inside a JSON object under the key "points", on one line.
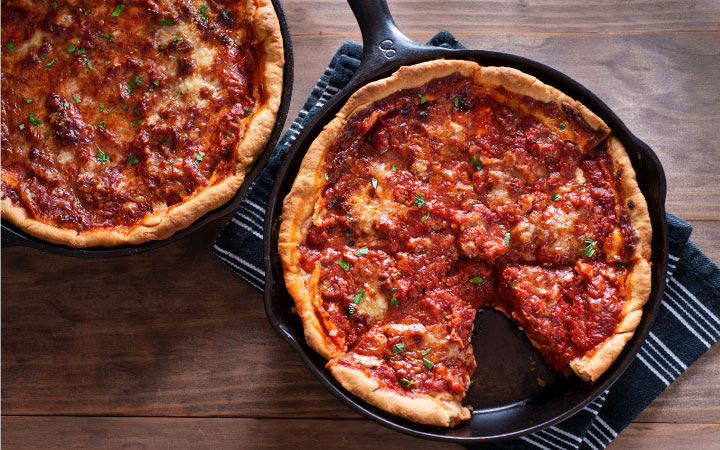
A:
{"points": [[506, 396]]}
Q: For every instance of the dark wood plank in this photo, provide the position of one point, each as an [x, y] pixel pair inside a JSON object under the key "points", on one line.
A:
{"points": [[98, 433], [469, 17]]}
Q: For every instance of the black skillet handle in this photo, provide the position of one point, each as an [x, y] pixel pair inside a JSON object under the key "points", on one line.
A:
{"points": [[383, 42]]}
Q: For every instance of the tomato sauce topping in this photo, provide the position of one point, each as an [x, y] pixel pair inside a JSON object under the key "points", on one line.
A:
{"points": [[455, 196]]}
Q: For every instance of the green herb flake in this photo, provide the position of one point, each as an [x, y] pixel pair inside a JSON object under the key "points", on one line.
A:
{"points": [[589, 250], [407, 383], [10, 46], [118, 9], [28, 100], [124, 107], [456, 101], [177, 38], [395, 167], [34, 120], [327, 177], [394, 302], [476, 280], [156, 83], [165, 139], [555, 197], [422, 98], [76, 98], [43, 57], [107, 63], [132, 160], [21, 126], [563, 125], [398, 348], [425, 217], [359, 297], [165, 21], [47, 134], [428, 364], [109, 37], [344, 264], [347, 233], [202, 10], [351, 310], [419, 200], [101, 124], [425, 352], [351, 242], [66, 104], [362, 251], [507, 238], [138, 81], [374, 182], [101, 156], [101, 108], [370, 139], [620, 265], [89, 65], [81, 51], [511, 285], [475, 162], [248, 111], [71, 47], [349, 217], [130, 89], [393, 289], [51, 63], [54, 5], [172, 161], [199, 157]]}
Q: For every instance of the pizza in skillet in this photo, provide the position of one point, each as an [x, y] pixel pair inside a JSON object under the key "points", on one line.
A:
{"points": [[125, 121], [450, 187]]}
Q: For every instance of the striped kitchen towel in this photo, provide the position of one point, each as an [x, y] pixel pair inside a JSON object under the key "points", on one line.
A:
{"points": [[687, 325]]}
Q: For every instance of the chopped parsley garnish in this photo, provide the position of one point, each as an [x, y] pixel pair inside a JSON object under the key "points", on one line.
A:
{"points": [[165, 139], [362, 251], [101, 156], [71, 47], [351, 242], [398, 348], [374, 182], [395, 167], [132, 160], [326, 176], [351, 310], [76, 98], [117, 11], [89, 65], [359, 297], [422, 98], [620, 265], [138, 81], [10, 46], [47, 134], [428, 364], [248, 111], [425, 352], [407, 383], [507, 238], [419, 200], [456, 101], [589, 250], [81, 51], [54, 5], [202, 10], [199, 157], [66, 104], [156, 83], [130, 90], [511, 285], [101, 124], [177, 38], [476, 280], [21, 126], [555, 197], [124, 107], [344, 264], [107, 63], [43, 57], [393, 289], [347, 233], [167, 21], [172, 161], [425, 217], [101, 108], [29, 100], [394, 302], [475, 162], [109, 37], [52, 61], [349, 217], [563, 125], [34, 120]]}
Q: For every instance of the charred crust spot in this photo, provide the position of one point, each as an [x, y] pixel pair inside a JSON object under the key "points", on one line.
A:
{"points": [[631, 205]]}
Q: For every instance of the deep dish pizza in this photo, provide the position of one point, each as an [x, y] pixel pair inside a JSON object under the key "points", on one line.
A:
{"points": [[125, 121], [450, 187]]}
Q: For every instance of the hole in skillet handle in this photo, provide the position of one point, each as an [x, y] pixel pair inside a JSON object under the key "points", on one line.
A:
{"points": [[13, 236], [385, 49]]}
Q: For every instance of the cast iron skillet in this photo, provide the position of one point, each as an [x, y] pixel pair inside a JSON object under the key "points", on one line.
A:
{"points": [[12, 235], [506, 395]]}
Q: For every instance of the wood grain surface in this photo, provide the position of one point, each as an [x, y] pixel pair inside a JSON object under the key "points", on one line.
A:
{"points": [[169, 349]]}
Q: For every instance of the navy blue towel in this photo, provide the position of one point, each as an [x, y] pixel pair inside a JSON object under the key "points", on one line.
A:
{"points": [[687, 325]]}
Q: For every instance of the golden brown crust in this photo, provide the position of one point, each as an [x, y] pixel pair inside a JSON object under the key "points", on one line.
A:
{"points": [[165, 222], [421, 408]]}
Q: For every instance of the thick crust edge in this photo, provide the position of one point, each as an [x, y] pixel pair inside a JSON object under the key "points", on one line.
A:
{"points": [[168, 221], [421, 408]]}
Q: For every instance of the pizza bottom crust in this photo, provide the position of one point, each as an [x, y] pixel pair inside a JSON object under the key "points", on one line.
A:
{"points": [[423, 408]]}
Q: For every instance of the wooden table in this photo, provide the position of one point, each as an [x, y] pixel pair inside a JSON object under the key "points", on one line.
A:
{"points": [[169, 349]]}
